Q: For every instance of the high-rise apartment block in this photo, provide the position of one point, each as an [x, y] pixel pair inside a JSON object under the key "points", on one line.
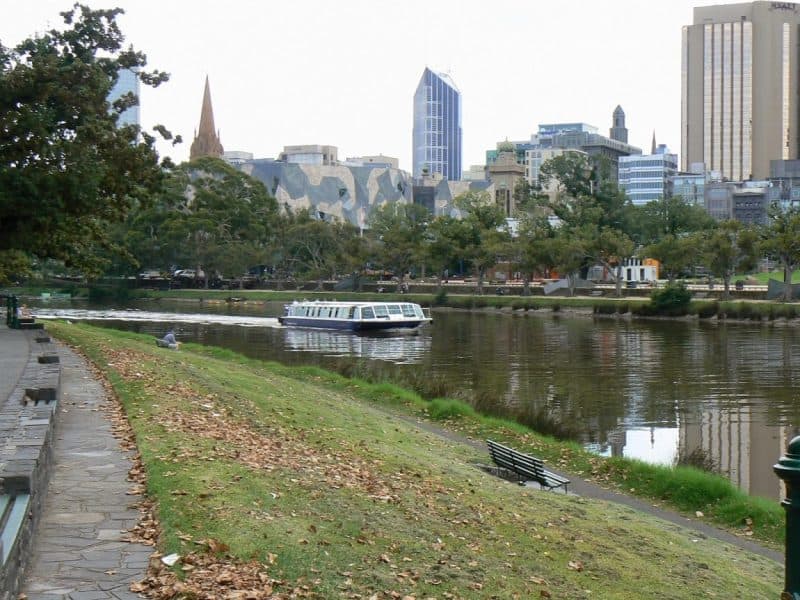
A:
{"points": [[739, 79], [437, 126]]}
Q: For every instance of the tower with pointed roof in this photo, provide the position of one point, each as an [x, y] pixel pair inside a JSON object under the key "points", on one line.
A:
{"points": [[618, 130], [206, 140]]}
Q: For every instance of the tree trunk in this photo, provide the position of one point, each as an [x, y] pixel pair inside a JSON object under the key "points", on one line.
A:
{"points": [[787, 282], [526, 285], [618, 282], [726, 280], [571, 281], [480, 282]]}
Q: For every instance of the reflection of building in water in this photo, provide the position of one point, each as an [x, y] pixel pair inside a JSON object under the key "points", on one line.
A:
{"points": [[405, 348], [738, 445]]}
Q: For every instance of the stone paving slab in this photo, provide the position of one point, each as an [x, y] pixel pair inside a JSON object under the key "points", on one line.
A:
{"points": [[78, 550]]}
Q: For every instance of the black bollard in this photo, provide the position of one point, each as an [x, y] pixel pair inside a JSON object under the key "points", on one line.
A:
{"points": [[788, 469]]}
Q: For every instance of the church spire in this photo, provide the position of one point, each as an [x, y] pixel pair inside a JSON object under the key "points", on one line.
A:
{"points": [[206, 141], [653, 149]]}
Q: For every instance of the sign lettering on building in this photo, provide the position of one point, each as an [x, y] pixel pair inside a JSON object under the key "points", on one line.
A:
{"points": [[784, 6]]}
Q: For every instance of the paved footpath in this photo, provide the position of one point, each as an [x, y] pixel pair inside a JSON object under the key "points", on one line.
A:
{"points": [[78, 552]]}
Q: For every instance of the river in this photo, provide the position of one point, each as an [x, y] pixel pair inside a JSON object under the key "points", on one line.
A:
{"points": [[657, 391]]}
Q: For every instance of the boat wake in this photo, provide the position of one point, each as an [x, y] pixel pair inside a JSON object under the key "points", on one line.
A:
{"points": [[74, 314]]}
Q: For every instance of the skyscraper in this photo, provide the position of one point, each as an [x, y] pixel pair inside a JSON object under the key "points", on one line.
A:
{"points": [[437, 126], [127, 82], [739, 80], [206, 140]]}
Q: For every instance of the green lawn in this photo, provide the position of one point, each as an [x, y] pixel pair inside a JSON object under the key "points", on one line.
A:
{"points": [[323, 493]]}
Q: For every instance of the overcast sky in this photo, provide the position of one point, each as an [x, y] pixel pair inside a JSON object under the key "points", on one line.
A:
{"points": [[344, 73]]}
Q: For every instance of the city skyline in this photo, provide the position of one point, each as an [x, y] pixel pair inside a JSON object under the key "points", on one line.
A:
{"points": [[345, 75]]}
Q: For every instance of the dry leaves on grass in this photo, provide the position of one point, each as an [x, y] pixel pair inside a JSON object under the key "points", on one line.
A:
{"points": [[206, 417], [208, 577]]}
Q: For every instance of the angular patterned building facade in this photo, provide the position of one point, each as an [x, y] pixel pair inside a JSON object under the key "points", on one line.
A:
{"points": [[436, 143], [347, 193]]}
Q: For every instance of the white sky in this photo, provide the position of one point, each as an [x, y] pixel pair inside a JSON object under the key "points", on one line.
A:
{"points": [[344, 73]]}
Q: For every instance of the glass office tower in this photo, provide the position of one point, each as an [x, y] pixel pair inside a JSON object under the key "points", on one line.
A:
{"points": [[437, 126]]}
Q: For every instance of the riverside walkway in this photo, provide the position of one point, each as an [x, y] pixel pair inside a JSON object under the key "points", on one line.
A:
{"points": [[78, 552]]}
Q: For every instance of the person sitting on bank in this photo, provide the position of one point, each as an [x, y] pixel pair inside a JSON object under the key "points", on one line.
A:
{"points": [[169, 341]]}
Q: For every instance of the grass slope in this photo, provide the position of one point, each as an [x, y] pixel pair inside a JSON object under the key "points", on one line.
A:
{"points": [[332, 497]]}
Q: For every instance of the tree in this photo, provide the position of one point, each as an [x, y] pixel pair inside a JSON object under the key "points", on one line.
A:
{"points": [[67, 170], [210, 216], [668, 217], [592, 213], [676, 254], [314, 247], [729, 248], [399, 231], [485, 234], [782, 242], [447, 242]]}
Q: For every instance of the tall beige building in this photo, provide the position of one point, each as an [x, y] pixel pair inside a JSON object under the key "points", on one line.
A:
{"points": [[739, 80]]}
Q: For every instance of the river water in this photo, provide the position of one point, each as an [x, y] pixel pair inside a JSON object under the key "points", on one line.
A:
{"points": [[653, 390]]}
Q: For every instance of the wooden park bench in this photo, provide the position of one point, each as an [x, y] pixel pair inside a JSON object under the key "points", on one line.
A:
{"points": [[525, 466]]}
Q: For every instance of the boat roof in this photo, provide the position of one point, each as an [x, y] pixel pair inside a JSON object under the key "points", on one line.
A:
{"points": [[348, 302]]}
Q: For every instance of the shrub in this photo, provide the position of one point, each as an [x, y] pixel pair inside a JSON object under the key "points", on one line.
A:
{"points": [[605, 308], [440, 298], [706, 310], [672, 300], [446, 408]]}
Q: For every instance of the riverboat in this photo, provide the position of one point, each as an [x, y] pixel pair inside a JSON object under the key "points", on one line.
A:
{"points": [[355, 316]]}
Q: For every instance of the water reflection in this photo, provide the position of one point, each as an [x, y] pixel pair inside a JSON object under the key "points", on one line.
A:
{"points": [[400, 348], [658, 391]]}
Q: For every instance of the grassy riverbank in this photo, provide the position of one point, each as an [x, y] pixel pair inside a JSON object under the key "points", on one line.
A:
{"points": [[325, 483]]}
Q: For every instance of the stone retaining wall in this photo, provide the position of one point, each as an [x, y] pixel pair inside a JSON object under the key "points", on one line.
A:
{"points": [[27, 433]]}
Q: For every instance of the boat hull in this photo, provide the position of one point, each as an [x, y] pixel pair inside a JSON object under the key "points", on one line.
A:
{"points": [[349, 325]]}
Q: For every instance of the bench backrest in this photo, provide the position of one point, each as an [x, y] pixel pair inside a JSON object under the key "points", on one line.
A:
{"points": [[516, 461]]}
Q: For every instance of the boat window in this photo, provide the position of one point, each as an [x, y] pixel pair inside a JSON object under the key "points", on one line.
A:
{"points": [[380, 311], [394, 309], [367, 313], [419, 311], [353, 311], [408, 310], [342, 312], [324, 311]]}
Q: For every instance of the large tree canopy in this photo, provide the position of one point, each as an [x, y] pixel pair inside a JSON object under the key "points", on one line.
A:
{"points": [[66, 169]]}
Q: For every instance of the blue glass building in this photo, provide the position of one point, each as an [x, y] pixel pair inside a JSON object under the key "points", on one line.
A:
{"points": [[128, 82], [437, 126]]}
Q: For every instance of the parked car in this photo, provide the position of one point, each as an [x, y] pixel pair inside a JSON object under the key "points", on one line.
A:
{"points": [[188, 274]]}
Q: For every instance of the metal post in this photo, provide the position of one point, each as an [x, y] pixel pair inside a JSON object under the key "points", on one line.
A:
{"points": [[788, 469]]}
